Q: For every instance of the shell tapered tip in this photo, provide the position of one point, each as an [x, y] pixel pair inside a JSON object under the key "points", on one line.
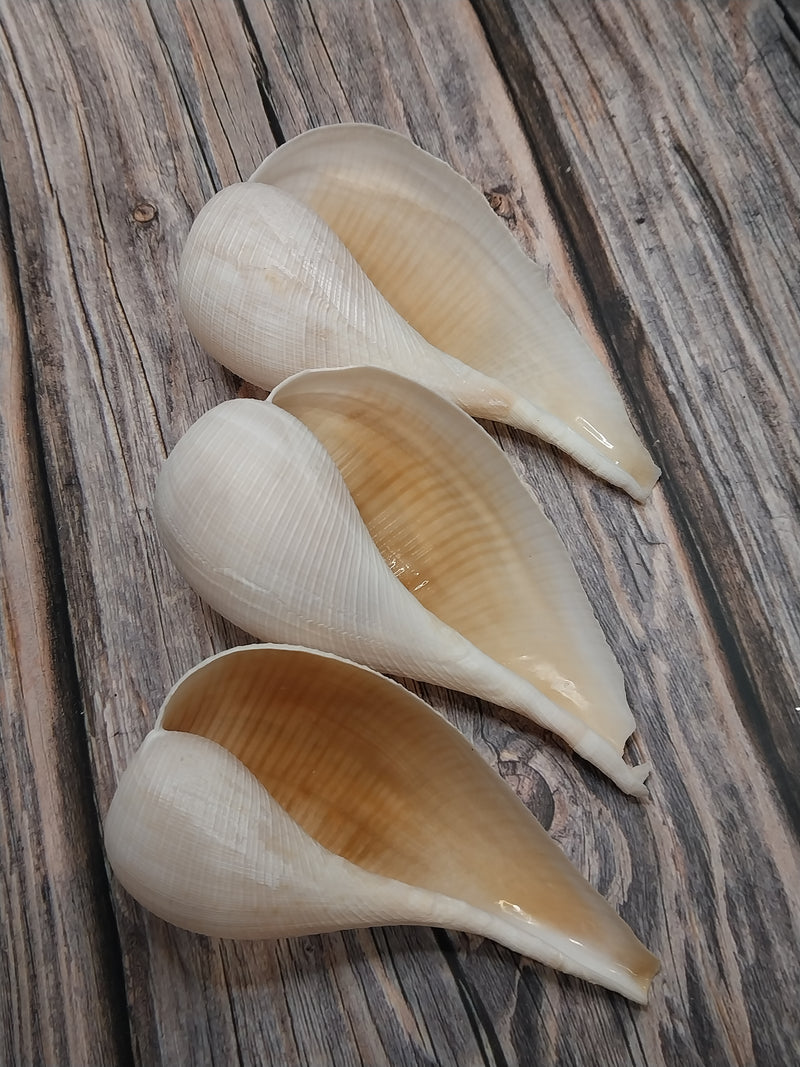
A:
{"points": [[644, 979], [638, 776], [636, 984], [625, 464], [632, 780], [638, 989], [609, 760], [644, 482]]}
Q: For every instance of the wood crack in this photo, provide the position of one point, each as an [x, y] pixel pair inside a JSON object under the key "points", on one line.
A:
{"points": [[328, 56], [261, 73], [479, 1021], [112, 282], [792, 24], [234, 1026]]}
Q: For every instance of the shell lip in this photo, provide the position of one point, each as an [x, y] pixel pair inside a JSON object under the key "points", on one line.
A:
{"points": [[335, 131], [366, 371], [550, 429], [263, 646]]}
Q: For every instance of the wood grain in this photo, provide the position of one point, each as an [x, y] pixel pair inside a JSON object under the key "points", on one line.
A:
{"points": [[62, 1000], [645, 155]]}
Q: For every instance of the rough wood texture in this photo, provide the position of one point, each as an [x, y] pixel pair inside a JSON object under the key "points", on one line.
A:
{"points": [[646, 154]]}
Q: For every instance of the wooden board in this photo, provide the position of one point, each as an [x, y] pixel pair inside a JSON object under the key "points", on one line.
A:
{"points": [[646, 155]]}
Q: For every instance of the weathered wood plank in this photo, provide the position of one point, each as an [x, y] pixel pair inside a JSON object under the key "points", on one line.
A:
{"points": [[100, 336], [106, 394], [668, 141], [62, 998], [116, 122]]}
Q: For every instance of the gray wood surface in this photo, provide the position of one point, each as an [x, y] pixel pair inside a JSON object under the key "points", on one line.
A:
{"points": [[647, 155]]}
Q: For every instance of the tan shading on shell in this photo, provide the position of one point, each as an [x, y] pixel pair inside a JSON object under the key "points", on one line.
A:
{"points": [[360, 513], [435, 251], [284, 792]]}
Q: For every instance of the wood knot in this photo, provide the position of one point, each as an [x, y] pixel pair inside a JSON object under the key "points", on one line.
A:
{"points": [[144, 212], [499, 202]]}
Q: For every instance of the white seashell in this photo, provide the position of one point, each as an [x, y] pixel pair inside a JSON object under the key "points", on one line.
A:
{"points": [[284, 792], [268, 289], [260, 520], [268, 293]]}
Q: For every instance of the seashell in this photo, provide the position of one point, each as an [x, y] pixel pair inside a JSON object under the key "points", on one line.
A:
{"points": [[269, 291], [359, 513], [284, 792]]}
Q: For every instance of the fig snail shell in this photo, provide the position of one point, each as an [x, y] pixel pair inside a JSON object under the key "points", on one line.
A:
{"points": [[359, 513], [419, 276], [269, 290], [285, 792]]}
